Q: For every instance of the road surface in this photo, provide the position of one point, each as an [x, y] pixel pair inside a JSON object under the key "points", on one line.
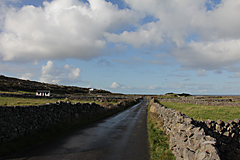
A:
{"points": [[120, 137]]}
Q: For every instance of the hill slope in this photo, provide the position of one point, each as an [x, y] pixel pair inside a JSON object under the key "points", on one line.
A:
{"points": [[11, 84]]}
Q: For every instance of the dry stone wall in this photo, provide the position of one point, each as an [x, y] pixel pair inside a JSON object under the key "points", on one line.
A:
{"points": [[212, 102], [20, 120], [198, 140]]}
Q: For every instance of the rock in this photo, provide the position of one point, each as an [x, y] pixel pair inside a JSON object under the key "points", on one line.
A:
{"points": [[201, 155], [230, 122], [237, 120], [152, 109], [233, 135], [188, 121], [218, 127], [209, 142], [219, 122], [188, 154], [226, 134]]}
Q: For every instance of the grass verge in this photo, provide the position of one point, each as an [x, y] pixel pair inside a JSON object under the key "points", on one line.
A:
{"points": [[158, 139], [201, 112]]}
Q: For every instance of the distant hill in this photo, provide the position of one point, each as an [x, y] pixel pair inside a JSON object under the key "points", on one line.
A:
{"points": [[11, 84]]}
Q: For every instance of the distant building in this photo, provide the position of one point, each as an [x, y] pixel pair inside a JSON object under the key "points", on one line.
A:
{"points": [[43, 93], [91, 90]]}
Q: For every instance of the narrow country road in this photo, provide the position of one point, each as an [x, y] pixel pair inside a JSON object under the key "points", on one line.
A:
{"points": [[120, 137]]}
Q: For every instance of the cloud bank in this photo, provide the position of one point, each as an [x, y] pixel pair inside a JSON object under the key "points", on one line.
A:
{"points": [[115, 85], [201, 35], [59, 75], [60, 29]]}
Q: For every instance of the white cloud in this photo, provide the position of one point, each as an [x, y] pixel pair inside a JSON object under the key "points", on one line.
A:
{"points": [[154, 87], [222, 22], [61, 29], [209, 55], [13, 70], [59, 75], [115, 85], [122, 87], [146, 35], [3, 10], [202, 73], [173, 22], [50, 73], [27, 76], [180, 19], [201, 38], [74, 73]]}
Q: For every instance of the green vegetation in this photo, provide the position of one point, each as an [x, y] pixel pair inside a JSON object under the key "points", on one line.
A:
{"points": [[18, 92], [201, 112], [174, 95], [158, 140], [10, 84], [13, 101]]}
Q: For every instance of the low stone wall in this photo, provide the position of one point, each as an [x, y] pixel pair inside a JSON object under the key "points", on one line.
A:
{"points": [[227, 135], [20, 121], [191, 139], [212, 102]]}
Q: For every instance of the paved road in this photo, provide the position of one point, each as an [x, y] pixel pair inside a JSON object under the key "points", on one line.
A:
{"points": [[120, 137]]}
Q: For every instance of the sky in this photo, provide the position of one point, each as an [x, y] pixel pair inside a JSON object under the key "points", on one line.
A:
{"points": [[124, 46]]}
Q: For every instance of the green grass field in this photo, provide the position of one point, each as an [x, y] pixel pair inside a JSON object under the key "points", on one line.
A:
{"points": [[201, 112], [12, 101]]}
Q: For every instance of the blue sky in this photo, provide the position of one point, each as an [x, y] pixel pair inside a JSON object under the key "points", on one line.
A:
{"points": [[127, 46]]}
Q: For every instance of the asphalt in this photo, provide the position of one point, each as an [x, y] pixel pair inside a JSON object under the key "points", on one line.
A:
{"points": [[123, 136]]}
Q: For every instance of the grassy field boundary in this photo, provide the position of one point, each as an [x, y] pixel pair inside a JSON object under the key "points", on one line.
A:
{"points": [[205, 112], [158, 139], [17, 101]]}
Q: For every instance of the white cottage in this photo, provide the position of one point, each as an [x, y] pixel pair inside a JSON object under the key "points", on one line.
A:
{"points": [[44, 93], [91, 90]]}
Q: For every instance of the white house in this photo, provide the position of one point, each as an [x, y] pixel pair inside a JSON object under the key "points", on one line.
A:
{"points": [[91, 90], [44, 93]]}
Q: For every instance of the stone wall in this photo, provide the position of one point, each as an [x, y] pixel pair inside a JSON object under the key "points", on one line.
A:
{"points": [[22, 120], [191, 139], [212, 102], [226, 134]]}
